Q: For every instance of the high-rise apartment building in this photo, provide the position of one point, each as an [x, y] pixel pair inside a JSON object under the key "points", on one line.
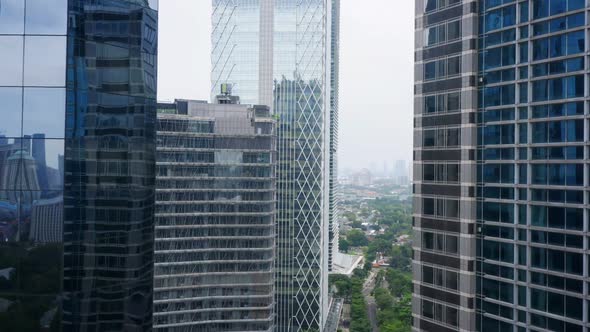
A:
{"points": [[215, 218], [279, 53], [77, 158], [501, 166]]}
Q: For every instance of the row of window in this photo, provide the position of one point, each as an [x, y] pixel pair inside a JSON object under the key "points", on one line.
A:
{"points": [[440, 313], [441, 173], [556, 260], [542, 132], [559, 24], [432, 5], [497, 95], [498, 212], [498, 57], [499, 37], [558, 153], [558, 174], [442, 137], [558, 67], [556, 110], [557, 239], [558, 88], [448, 244], [443, 103], [439, 207], [557, 304], [499, 76], [440, 277], [557, 196], [558, 131], [442, 33], [561, 45], [544, 8], [499, 18], [442, 68], [556, 217], [557, 282], [541, 216]]}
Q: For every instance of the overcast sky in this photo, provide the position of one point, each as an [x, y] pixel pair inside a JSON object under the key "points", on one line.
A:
{"points": [[376, 72]]}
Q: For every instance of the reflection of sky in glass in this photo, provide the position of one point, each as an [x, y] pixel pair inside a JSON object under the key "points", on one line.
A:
{"points": [[47, 17], [11, 60], [12, 16], [10, 111], [45, 61], [44, 112]]}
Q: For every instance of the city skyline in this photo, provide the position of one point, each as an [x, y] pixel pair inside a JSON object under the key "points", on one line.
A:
{"points": [[375, 84]]}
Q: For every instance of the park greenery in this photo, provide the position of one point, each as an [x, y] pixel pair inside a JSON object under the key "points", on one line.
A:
{"points": [[393, 289]]}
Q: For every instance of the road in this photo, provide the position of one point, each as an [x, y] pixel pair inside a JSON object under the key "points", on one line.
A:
{"points": [[371, 306]]}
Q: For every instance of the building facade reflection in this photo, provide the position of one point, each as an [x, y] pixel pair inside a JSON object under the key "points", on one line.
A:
{"points": [[76, 212]]}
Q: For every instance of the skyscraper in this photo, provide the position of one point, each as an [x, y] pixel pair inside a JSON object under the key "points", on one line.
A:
{"points": [[279, 53], [501, 166], [215, 218], [334, 112], [77, 100]]}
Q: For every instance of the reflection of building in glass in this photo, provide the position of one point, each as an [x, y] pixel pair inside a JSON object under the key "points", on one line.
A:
{"points": [[279, 53], [20, 178], [215, 230], [38, 153], [47, 221], [100, 277], [109, 166]]}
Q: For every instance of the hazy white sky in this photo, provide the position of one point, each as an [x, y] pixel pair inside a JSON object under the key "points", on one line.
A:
{"points": [[376, 72]]}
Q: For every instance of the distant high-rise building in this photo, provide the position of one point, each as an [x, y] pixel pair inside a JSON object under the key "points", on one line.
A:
{"points": [[38, 152], [77, 159], [501, 166], [215, 218], [334, 193], [47, 221], [279, 53], [401, 174]]}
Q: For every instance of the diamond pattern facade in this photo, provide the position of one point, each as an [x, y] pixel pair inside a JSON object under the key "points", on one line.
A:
{"points": [[301, 72]]}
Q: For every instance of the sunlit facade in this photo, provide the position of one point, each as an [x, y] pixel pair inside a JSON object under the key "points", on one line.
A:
{"points": [[501, 166], [77, 130], [291, 61]]}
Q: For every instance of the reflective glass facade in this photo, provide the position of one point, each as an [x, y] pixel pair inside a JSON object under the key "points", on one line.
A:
{"points": [[215, 218], [532, 167], [65, 263], [295, 78], [527, 62]]}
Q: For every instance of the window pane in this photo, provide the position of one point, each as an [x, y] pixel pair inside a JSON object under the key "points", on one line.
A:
{"points": [[12, 17], [45, 61], [11, 111], [44, 112], [46, 17], [11, 60]]}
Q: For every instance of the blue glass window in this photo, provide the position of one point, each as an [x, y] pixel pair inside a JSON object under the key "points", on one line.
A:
{"points": [[575, 42]]}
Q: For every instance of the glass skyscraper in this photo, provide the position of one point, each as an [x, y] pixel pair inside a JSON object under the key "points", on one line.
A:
{"points": [[215, 218], [501, 166], [77, 147], [278, 53]]}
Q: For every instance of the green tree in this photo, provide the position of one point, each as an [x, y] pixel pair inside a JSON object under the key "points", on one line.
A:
{"points": [[357, 238], [383, 299], [343, 245]]}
